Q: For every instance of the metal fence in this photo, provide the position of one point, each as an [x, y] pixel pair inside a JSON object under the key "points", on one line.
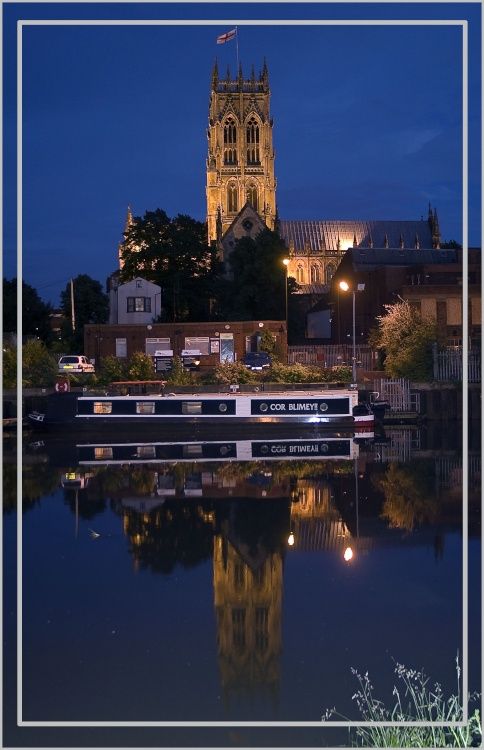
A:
{"points": [[397, 392], [329, 355], [448, 365]]}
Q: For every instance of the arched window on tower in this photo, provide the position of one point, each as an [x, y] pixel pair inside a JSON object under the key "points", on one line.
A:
{"points": [[252, 195], [329, 272], [232, 206], [253, 154], [315, 279], [300, 275], [230, 141]]}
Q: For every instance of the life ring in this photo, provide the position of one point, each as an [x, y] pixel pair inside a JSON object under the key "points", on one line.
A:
{"points": [[62, 386]]}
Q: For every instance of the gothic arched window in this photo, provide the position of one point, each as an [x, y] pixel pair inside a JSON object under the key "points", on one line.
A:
{"points": [[315, 275], [253, 154], [252, 195], [329, 272], [230, 141], [300, 275], [232, 198]]}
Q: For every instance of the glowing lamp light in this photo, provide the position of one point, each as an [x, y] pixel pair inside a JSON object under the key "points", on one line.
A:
{"points": [[290, 539], [286, 261], [348, 554], [344, 286]]}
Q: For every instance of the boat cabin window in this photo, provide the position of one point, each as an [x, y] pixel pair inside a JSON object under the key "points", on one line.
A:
{"points": [[103, 407], [103, 452], [145, 407], [192, 450], [146, 451], [191, 407]]}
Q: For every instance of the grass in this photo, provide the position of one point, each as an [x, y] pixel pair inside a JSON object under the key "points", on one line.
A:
{"points": [[416, 699]]}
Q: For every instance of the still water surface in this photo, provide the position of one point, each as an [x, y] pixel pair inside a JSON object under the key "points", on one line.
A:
{"points": [[237, 590]]}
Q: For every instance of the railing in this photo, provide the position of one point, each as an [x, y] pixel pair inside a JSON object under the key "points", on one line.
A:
{"points": [[329, 355], [397, 392], [448, 365]]}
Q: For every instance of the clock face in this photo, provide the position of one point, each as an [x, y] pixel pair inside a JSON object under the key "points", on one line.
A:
{"points": [[247, 224]]}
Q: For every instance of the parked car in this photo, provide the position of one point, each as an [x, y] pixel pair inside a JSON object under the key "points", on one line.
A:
{"points": [[75, 363], [257, 360]]}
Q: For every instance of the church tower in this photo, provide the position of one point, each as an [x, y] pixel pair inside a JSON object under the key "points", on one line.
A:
{"points": [[240, 162]]}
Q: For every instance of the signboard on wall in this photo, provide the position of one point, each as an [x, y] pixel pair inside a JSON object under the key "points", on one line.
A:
{"points": [[214, 346]]}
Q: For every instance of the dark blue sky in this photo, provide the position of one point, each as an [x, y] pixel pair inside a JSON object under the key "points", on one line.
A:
{"points": [[367, 121]]}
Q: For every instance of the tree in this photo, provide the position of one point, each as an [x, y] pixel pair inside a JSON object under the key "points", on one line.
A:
{"points": [[35, 312], [39, 367], [91, 305], [406, 338], [174, 254], [257, 290]]}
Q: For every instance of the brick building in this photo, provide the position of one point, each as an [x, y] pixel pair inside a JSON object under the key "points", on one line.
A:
{"points": [[216, 341]]}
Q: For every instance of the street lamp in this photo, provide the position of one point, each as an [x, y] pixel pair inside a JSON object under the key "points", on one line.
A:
{"points": [[286, 266], [345, 287]]}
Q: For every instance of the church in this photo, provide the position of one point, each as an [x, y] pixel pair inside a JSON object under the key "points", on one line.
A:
{"points": [[241, 190]]}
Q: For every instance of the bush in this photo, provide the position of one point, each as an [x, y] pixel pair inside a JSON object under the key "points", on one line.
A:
{"points": [[140, 367], [179, 375], [112, 369], [227, 373], [416, 699], [298, 373], [10, 367], [39, 367]]}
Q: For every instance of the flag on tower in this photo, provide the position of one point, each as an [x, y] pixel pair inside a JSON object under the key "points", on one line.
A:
{"points": [[227, 36]]}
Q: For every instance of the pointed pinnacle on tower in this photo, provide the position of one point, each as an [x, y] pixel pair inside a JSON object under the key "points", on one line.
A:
{"points": [[215, 75], [129, 220]]}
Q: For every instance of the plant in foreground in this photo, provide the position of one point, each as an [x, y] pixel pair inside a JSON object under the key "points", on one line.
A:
{"points": [[416, 699]]}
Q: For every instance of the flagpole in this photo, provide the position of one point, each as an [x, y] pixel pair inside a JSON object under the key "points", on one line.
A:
{"points": [[237, 47]]}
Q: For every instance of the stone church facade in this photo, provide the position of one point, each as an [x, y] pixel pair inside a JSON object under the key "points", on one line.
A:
{"points": [[241, 191]]}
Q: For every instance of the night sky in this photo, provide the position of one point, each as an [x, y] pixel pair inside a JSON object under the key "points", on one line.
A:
{"points": [[367, 121]]}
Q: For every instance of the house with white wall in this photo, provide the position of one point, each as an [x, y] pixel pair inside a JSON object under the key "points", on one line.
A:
{"points": [[136, 302]]}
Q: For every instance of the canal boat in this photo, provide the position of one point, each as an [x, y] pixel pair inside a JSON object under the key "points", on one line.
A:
{"points": [[336, 408]]}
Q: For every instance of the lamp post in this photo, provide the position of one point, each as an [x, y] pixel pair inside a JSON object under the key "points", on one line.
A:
{"points": [[286, 266], [346, 288]]}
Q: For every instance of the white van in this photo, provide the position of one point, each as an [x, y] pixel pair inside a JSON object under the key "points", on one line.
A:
{"points": [[75, 363]]}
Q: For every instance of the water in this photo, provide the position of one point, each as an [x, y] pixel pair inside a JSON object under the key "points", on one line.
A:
{"points": [[237, 590]]}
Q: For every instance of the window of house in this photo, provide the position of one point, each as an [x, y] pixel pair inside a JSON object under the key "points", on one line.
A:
{"points": [[198, 343], [121, 347], [153, 345], [300, 275], [253, 154], [138, 304], [232, 198], [103, 407]]}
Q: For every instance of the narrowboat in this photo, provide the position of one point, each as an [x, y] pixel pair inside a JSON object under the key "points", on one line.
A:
{"points": [[332, 408]]}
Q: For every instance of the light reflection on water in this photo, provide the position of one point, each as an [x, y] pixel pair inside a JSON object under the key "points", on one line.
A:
{"points": [[237, 589]]}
